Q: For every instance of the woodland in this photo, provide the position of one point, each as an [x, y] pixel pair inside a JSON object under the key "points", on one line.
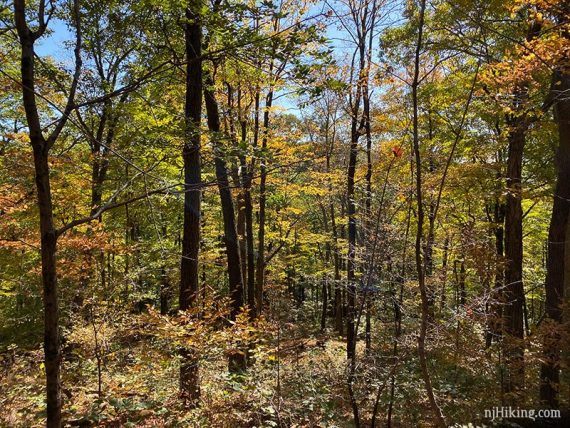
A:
{"points": [[284, 213]]}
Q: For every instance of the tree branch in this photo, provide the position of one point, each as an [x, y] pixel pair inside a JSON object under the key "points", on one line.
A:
{"points": [[78, 64]]}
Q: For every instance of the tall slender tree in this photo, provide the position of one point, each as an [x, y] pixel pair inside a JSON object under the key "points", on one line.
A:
{"points": [[514, 298], [237, 360], [420, 268], [189, 376], [41, 146], [558, 250]]}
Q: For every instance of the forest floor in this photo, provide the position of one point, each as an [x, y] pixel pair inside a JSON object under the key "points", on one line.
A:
{"points": [[140, 388], [296, 380]]}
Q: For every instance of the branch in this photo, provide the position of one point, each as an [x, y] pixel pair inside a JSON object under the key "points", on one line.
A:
{"points": [[109, 206], [78, 64], [43, 22], [529, 209], [278, 248], [454, 146], [127, 88]]}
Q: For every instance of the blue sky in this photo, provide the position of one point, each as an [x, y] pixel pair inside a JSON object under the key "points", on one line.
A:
{"points": [[53, 44]]}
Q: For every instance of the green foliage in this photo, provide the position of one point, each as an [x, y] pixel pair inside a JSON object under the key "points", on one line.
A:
{"points": [[285, 77]]}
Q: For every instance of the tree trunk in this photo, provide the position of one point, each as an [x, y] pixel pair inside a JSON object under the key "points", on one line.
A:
{"points": [[513, 310], [260, 265], [499, 219], [368, 327], [240, 226], [462, 291], [401, 279], [444, 269], [420, 268], [251, 300], [557, 247], [350, 267], [100, 151], [189, 377], [337, 279], [237, 360], [52, 341], [431, 218], [513, 297], [164, 291], [48, 234]]}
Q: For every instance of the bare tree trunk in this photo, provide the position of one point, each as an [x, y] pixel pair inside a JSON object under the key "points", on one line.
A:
{"points": [[513, 310], [260, 265], [337, 300], [337, 279], [444, 269], [351, 333], [556, 267], [325, 304], [252, 301], [398, 311], [52, 340], [350, 269], [425, 306], [238, 173], [247, 255], [189, 375], [48, 234], [368, 197], [368, 327], [237, 360], [431, 218], [499, 219], [514, 298], [165, 289], [241, 228], [248, 207], [462, 291]]}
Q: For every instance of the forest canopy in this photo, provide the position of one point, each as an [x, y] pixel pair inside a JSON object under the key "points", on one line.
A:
{"points": [[284, 213]]}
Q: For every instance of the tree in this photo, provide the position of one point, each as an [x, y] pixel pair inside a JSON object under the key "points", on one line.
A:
{"points": [[189, 377], [41, 147], [557, 259], [385, 140], [420, 219], [237, 362], [558, 256]]}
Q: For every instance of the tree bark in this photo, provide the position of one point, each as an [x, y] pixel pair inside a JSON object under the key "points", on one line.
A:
{"points": [[325, 305], [238, 174], [189, 376], [513, 297], [557, 247], [241, 226], [260, 264], [499, 232], [444, 271], [252, 301], [513, 311], [52, 340], [237, 360], [337, 279], [420, 268], [248, 206], [48, 234], [350, 267]]}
